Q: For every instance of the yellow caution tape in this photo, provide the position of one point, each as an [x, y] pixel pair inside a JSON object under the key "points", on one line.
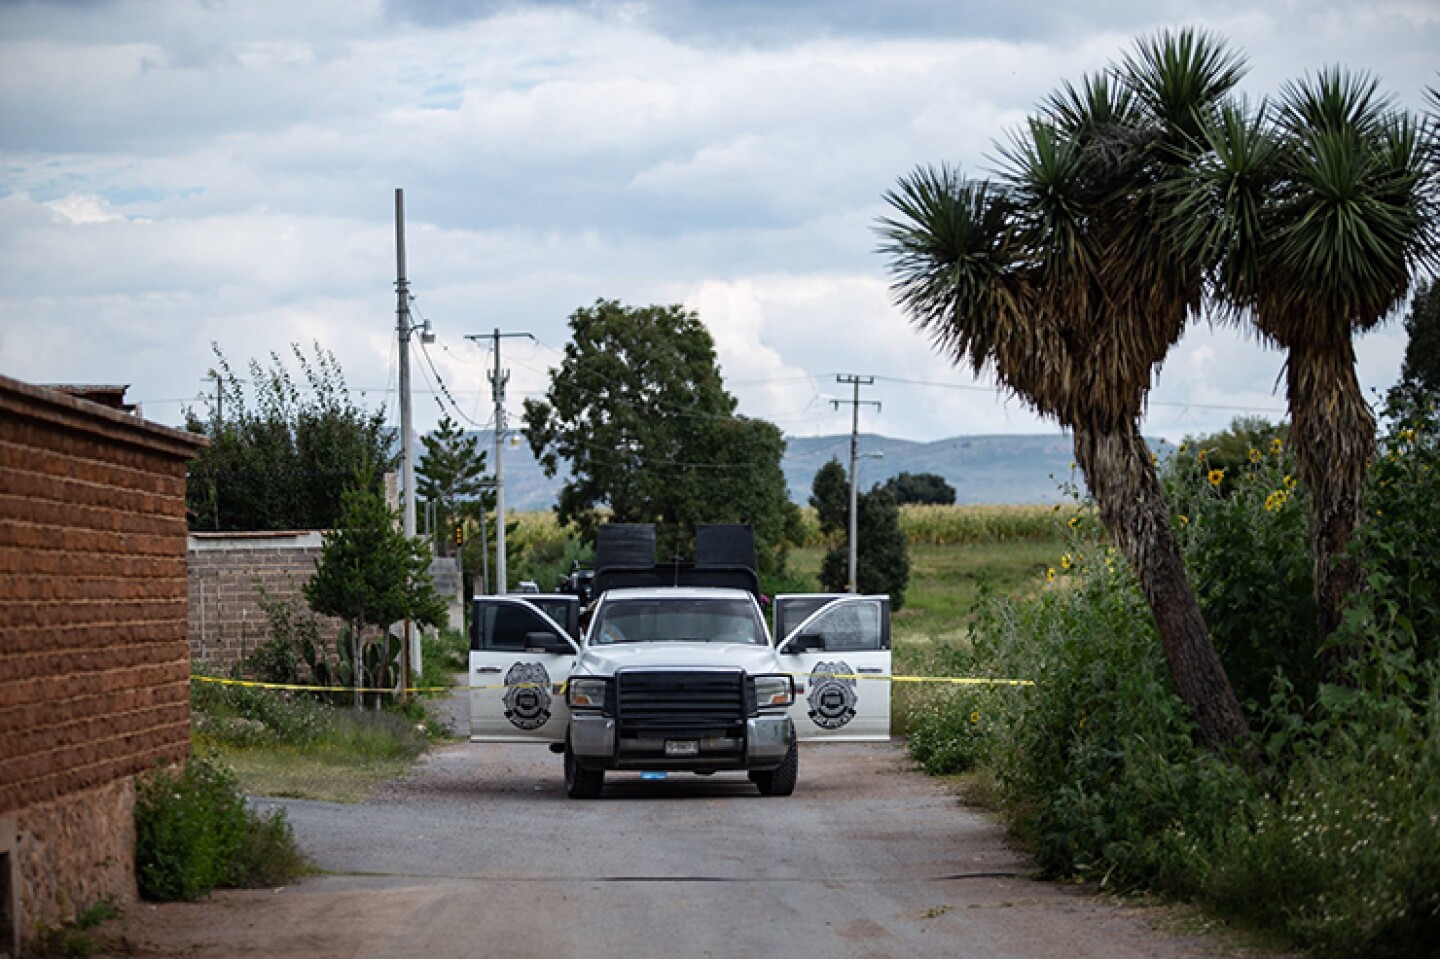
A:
{"points": [[559, 688]]}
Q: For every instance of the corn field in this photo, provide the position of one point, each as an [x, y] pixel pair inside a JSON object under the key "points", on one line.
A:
{"points": [[922, 525]]}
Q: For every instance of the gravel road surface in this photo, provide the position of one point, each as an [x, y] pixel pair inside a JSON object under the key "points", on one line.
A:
{"points": [[477, 852]]}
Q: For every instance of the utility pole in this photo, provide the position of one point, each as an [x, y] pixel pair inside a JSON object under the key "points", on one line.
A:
{"points": [[407, 460], [855, 404], [498, 379], [403, 329]]}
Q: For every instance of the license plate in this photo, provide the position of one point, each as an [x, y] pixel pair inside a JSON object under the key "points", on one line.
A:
{"points": [[682, 747]]}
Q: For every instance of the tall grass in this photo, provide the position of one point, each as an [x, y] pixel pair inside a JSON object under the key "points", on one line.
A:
{"points": [[922, 525]]}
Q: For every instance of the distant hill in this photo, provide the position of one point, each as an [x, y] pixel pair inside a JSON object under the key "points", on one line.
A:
{"points": [[983, 469]]}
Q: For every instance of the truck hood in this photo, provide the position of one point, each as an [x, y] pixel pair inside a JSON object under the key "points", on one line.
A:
{"points": [[605, 660]]}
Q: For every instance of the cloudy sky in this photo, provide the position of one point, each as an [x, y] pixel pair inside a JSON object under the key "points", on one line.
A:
{"points": [[177, 173]]}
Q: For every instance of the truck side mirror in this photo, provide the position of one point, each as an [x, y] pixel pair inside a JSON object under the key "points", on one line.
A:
{"points": [[805, 643], [543, 642]]}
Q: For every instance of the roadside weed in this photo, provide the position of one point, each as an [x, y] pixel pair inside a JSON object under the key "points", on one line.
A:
{"points": [[194, 833]]}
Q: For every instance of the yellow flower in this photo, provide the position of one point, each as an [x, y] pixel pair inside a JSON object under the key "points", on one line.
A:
{"points": [[1050, 575], [1255, 456], [974, 716], [1200, 457], [1066, 562], [1184, 520], [1276, 500], [1289, 481], [1276, 446], [1182, 448], [1216, 477], [1073, 522]]}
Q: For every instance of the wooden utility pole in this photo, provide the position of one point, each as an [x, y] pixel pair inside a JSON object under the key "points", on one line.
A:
{"points": [[855, 404]]}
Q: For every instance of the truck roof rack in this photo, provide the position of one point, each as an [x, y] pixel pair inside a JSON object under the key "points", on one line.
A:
{"points": [[724, 557]]}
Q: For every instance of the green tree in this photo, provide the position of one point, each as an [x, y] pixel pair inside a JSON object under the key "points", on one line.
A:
{"points": [[451, 474], [1064, 280], [921, 488], [371, 574], [1312, 215], [830, 498], [1420, 369], [280, 454], [882, 560], [639, 412], [1247, 441]]}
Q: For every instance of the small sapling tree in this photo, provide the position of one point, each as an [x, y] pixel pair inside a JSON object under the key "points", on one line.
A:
{"points": [[371, 574]]}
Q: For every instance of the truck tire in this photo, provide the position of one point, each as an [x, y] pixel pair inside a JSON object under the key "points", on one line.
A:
{"points": [[581, 783], [779, 781]]}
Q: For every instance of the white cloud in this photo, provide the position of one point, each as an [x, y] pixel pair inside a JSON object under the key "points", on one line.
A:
{"points": [[174, 173]]}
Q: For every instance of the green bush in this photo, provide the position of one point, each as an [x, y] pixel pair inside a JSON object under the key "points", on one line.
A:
{"points": [[194, 833], [1241, 518], [1334, 838], [280, 658]]}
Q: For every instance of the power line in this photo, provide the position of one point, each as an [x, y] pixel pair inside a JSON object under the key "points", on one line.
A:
{"points": [[995, 389]]}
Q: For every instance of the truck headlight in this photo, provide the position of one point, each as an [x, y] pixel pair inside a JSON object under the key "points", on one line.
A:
{"points": [[586, 693], [773, 691]]}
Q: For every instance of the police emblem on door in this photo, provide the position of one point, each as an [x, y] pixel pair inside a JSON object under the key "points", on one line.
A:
{"points": [[832, 694], [527, 695]]}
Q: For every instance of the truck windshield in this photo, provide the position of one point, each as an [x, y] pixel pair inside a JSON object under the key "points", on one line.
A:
{"points": [[678, 621]]}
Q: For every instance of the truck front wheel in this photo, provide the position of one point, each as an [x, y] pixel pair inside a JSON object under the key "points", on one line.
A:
{"points": [[779, 781], [581, 783]]}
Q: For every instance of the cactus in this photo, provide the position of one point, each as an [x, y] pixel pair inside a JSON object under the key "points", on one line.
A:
{"points": [[382, 664], [380, 660]]}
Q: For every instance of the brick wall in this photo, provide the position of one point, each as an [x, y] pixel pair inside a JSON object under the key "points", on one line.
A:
{"points": [[226, 574], [93, 653]]}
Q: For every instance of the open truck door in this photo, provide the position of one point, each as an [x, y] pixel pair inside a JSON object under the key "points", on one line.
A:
{"points": [[520, 659], [833, 653]]}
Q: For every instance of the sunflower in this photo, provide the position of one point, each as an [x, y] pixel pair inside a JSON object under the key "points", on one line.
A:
{"points": [[1216, 477]]}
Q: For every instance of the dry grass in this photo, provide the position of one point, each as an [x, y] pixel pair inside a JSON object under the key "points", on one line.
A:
{"points": [[307, 773]]}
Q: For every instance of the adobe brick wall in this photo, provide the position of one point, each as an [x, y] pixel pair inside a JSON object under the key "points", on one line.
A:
{"points": [[93, 653]]}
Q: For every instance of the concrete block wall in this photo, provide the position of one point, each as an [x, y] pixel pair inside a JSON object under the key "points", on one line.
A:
{"points": [[227, 572], [94, 661]]}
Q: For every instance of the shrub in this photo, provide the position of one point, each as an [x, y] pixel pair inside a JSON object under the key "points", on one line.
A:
{"points": [[1335, 840], [193, 833], [280, 658], [1246, 549]]}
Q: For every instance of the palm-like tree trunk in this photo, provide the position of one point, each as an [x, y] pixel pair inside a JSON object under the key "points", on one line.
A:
{"points": [[1121, 474], [1333, 435]]}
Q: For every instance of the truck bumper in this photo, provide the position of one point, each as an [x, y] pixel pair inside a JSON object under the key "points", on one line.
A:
{"points": [[767, 740], [593, 738], [594, 742]]}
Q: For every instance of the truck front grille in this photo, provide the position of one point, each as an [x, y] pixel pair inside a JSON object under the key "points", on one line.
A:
{"points": [[676, 701]]}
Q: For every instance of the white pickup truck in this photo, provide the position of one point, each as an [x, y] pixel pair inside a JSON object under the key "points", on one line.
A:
{"points": [[677, 669]]}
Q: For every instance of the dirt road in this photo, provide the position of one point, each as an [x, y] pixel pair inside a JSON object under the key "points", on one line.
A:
{"points": [[478, 853]]}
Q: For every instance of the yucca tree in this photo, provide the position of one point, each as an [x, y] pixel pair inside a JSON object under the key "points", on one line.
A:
{"points": [[1062, 280], [1313, 215]]}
